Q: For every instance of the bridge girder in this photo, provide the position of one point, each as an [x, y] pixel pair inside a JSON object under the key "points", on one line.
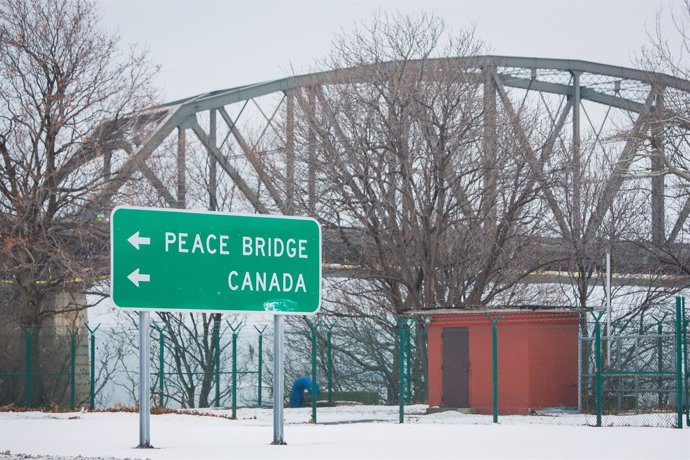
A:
{"points": [[510, 79]]}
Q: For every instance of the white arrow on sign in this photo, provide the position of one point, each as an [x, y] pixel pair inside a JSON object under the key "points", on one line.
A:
{"points": [[136, 240], [136, 277]]}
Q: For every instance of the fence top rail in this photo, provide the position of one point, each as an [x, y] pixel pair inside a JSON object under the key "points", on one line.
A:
{"points": [[491, 309], [630, 336]]}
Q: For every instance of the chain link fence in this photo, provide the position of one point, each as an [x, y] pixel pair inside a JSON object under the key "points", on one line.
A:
{"points": [[506, 366]]}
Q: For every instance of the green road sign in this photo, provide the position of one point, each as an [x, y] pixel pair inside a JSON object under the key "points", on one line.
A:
{"points": [[165, 259]]}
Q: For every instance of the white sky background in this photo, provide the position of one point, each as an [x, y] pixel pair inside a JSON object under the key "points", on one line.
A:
{"points": [[204, 46]]}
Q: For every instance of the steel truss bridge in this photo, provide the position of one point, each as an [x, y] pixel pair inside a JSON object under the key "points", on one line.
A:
{"points": [[220, 139]]}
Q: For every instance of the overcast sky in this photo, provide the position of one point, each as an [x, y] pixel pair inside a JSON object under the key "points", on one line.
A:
{"points": [[203, 46]]}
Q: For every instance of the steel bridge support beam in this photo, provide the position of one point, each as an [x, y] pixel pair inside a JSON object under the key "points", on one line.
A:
{"points": [[682, 217], [181, 167], [253, 160], [657, 166], [228, 168], [151, 177], [139, 156], [158, 185], [620, 169], [311, 153], [535, 163], [107, 164], [290, 153], [576, 167], [212, 164], [488, 211]]}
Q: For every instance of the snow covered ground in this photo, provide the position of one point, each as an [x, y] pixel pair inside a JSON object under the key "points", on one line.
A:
{"points": [[182, 436]]}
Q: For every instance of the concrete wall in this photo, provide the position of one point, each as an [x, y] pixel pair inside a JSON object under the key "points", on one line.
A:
{"points": [[52, 384]]}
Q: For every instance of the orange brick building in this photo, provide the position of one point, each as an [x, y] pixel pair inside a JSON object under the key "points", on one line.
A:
{"points": [[537, 360]]}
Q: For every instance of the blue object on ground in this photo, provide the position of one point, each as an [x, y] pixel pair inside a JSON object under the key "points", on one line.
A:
{"points": [[297, 392]]}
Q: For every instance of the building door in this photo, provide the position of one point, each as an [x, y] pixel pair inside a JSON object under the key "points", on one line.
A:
{"points": [[456, 367]]}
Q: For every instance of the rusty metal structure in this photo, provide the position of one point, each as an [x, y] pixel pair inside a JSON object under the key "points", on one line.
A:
{"points": [[588, 104]]}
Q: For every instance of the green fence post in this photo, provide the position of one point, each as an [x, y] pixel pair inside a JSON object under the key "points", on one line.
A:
{"points": [[494, 363], [679, 357], [408, 363], [216, 357], [72, 369], [92, 379], [235, 328], [597, 361], [27, 371], [314, 329], [685, 365], [401, 377], [260, 369], [92, 383], [161, 363], [425, 322], [28, 331], [234, 374], [329, 356], [660, 355]]}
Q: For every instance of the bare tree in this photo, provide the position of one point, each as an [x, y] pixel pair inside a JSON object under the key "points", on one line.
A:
{"points": [[664, 148], [666, 142], [66, 91], [401, 159], [423, 179], [192, 341]]}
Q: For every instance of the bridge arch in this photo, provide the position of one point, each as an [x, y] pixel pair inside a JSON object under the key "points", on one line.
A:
{"points": [[581, 98]]}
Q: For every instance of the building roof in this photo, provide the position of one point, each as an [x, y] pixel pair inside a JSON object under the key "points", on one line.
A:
{"points": [[489, 309]]}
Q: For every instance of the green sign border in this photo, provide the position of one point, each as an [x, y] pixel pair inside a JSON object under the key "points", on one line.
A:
{"points": [[216, 213]]}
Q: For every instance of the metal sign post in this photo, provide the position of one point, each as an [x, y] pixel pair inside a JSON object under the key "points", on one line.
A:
{"points": [[144, 371], [278, 398], [169, 259]]}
